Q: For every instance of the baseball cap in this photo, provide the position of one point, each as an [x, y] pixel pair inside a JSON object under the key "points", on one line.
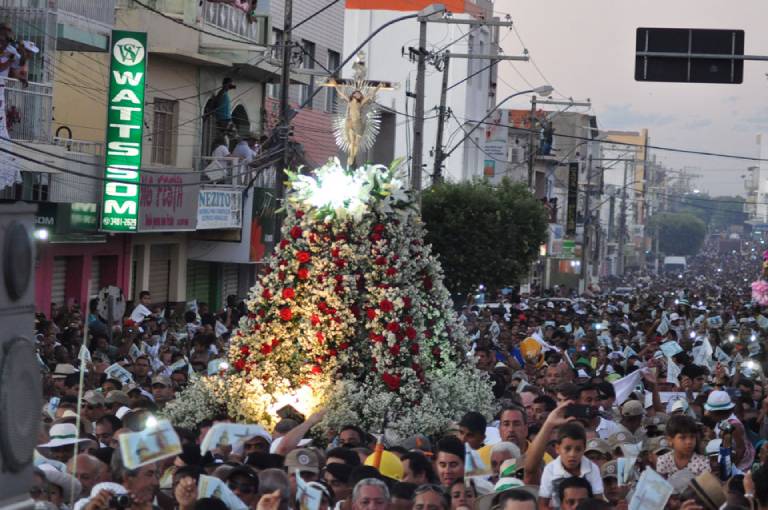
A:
{"points": [[610, 469], [302, 459], [117, 397], [598, 445], [163, 380], [632, 408]]}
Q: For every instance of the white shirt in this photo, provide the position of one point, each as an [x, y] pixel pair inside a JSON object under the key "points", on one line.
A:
{"points": [[220, 151], [140, 313], [243, 151], [554, 472]]}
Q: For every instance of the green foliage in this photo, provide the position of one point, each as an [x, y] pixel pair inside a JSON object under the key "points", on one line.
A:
{"points": [[718, 213], [679, 233], [483, 233]]}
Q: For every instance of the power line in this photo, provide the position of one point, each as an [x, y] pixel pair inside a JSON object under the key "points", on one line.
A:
{"points": [[319, 11]]}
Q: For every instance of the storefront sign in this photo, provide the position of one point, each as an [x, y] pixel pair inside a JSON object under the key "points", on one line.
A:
{"points": [[168, 202], [125, 119], [219, 209]]}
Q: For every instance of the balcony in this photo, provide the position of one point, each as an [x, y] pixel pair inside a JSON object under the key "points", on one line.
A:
{"points": [[231, 21], [28, 111], [77, 25]]}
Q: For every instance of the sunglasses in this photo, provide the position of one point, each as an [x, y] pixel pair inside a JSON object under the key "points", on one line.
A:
{"points": [[245, 488]]}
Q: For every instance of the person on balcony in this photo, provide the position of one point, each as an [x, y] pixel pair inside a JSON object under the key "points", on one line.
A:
{"points": [[10, 169], [223, 107]]}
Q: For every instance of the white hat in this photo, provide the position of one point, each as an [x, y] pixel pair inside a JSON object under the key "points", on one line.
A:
{"points": [[62, 434], [719, 401], [30, 46], [678, 404], [69, 486], [122, 412], [674, 317], [713, 447]]}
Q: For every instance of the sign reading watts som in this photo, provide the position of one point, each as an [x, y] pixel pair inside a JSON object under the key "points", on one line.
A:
{"points": [[125, 119]]}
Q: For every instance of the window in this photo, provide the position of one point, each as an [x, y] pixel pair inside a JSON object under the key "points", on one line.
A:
{"points": [[164, 127], [273, 89], [334, 59], [308, 62]]}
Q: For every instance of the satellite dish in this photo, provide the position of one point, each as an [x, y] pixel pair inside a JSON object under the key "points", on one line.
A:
{"points": [[115, 295]]}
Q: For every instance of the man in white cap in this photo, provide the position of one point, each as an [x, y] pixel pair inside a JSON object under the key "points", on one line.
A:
{"points": [[62, 444], [720, 408]]}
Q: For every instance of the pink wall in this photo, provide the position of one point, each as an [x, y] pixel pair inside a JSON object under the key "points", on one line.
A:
{"points": [[115, 270]]}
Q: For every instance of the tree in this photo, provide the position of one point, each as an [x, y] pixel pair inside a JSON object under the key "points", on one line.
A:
{"points": [[351, 312], [679, 233], [728, 211], [484, 234]]}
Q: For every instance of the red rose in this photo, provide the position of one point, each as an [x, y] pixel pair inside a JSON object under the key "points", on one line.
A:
{"points": [[303, 273], [286, 314], [275, 343], [408, 319], [344, 346], [380, 261], [375, 237], [415, 349], [303, 257], [239, 364], [284, 243], [378, 228], [339, 278], [316, 369], [335, 252], [261, 312], [371, 314], [299, 214], [340, 263], [265, 349], [320, 337], [244, 350], [281, 275], [296, 232], [395, 350], [386, 306], [288, 293], [333, 352], [315, 320], [375, 337], [410, 333], [436, 351], [266, 294], [392, 381], [341, 237], [394, 327], [391, 271], [428, 334], [407, 302], [427, 283]]}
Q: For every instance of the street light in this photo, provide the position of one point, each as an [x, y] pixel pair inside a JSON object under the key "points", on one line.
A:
{"points": [[543, 90]]}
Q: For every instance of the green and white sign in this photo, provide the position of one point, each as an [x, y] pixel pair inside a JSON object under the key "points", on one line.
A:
{"points": [[125, 120]]}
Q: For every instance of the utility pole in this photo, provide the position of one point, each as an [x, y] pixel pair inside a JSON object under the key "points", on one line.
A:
{"points": [[285, 112], [418, 121], [623, 221], [587, 218], [437, 173], [532, 148]]}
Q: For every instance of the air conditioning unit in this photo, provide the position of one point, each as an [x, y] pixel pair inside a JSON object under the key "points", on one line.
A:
{"points": [[20, 379], [517, 155]]}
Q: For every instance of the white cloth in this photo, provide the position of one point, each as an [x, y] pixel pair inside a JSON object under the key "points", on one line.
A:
{"points": [[607, 428], [140, 313], [554, 472], [220, 151]]}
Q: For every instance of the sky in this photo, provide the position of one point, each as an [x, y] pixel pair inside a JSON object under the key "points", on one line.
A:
{"points": [[585, 49]]}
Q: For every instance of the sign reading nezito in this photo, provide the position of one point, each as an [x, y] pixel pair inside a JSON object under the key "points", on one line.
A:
{"points": [[125, 120]]}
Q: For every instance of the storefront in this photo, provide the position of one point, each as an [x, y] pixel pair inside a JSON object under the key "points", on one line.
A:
{"points": [[74, 261]]}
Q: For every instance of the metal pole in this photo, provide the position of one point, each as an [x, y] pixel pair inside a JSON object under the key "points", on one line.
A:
{"points": [[531, 148], [418, 122], [587, 217], [437, 174], [623, 221], [285, 111]]}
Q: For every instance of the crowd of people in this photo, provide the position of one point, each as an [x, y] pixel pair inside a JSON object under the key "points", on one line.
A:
{"points": [[654, 400]]}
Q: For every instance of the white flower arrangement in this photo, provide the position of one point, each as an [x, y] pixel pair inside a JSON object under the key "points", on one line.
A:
{"points": [[351, 314]]}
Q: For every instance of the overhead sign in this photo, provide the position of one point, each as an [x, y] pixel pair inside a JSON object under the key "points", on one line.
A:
{"points": [[125, 120], [219, 209], [168, 202], [693, 55]]}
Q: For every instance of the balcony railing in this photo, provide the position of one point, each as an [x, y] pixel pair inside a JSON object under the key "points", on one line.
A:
{"points": [[230, 170], [101, 11], [28, 111], [233, 21]]}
